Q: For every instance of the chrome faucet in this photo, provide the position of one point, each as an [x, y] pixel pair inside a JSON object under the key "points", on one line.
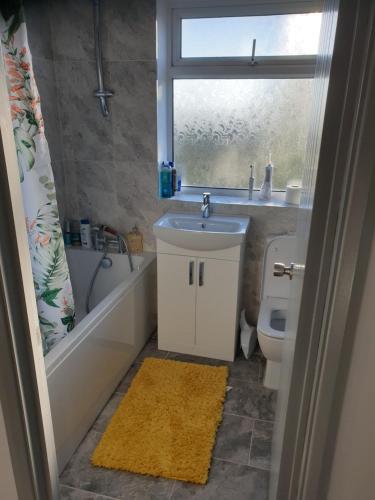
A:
{"points": [[206, 209], [106, 243], [123, 248]]}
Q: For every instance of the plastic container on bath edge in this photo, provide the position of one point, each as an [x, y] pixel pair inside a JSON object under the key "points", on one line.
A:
{"points": [[86, 240], [67, 234], [75, 233]]}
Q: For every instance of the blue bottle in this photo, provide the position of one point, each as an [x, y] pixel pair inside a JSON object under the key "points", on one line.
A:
{"points": [[165, 181]]}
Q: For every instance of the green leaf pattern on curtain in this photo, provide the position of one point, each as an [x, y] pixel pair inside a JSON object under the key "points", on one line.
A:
{"points": [[50, 270]]}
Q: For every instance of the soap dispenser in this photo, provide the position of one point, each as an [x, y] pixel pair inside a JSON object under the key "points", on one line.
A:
{"points": [[266, 188]]}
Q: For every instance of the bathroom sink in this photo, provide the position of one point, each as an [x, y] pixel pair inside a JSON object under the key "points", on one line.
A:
{"points": [[192, 232]]}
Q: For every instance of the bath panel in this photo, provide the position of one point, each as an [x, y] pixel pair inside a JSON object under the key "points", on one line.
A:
{"points": [[87, 365]]}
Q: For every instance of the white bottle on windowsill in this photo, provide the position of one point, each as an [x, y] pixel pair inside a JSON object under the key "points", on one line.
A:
{"points": [[266, 188]]}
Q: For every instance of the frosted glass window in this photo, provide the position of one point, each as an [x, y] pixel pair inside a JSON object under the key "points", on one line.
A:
{"points": [[221, 126], [277, 35]]}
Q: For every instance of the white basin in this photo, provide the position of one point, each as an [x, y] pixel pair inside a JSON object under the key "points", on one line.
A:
{"points": [[192, 232]]}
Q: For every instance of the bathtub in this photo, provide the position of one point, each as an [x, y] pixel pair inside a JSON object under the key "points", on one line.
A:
{"points": [[84, 369]]}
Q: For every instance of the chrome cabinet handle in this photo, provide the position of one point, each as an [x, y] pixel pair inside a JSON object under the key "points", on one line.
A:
{"points": [[191, 272], [280, 269], [201, 273]]}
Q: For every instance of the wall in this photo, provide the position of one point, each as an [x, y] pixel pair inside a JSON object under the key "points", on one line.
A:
{"points": [[352, 474], [109, 164]]}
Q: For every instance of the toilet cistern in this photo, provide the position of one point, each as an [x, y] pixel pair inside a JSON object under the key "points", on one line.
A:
{"points": [[206, 209]]}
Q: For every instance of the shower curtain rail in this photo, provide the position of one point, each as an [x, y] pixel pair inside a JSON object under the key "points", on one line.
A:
{"points": [[101, 93]]}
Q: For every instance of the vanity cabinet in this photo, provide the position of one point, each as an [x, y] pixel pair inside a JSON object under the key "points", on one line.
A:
{"points": [[198, 303]]}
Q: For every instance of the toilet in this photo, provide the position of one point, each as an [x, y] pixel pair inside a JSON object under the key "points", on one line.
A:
{"points": [[273, 307]]}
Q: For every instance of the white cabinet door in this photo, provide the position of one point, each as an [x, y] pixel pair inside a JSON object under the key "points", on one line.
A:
{"points": [[216, 310], [176, 300]]}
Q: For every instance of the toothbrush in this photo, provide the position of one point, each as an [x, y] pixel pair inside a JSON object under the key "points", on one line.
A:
{"points": [[251, 182]]}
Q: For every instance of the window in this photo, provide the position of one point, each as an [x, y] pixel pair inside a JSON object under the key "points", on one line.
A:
{"points": [[281, 35], [227, 107]]}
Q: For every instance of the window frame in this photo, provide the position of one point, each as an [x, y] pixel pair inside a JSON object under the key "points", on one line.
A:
{"points": [[171, 66]]}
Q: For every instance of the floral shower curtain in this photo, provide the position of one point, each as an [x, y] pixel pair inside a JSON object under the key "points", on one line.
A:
{"points": [[50, 270]]}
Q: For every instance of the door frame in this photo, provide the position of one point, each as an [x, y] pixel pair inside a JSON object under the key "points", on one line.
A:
{"points": [[328, 300], [336, 260], [23, 383]]}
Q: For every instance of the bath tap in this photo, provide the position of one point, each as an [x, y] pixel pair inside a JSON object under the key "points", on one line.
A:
{"points": [[119, 241], [99, 238], [206, 209], [123, 248]]}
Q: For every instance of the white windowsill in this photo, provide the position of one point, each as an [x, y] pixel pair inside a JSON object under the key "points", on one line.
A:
{"points": [[278, 199]]}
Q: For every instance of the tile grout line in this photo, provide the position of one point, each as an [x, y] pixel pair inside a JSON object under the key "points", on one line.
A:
{"points": [[240, 465], [247, 416], [172, 489], [88, 491], [251, 444]]}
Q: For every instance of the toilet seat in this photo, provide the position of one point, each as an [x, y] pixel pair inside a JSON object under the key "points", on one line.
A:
{"points": [[268, 305]]}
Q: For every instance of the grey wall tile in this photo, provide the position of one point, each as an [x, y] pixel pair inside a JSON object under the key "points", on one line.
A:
{"points": [[71, 207], [71, 24], [129, 30], [97, 205], [136, 193], [96, 174], [86, 134], [134, 110], [59, 177], [45, 80], [38, 28]]}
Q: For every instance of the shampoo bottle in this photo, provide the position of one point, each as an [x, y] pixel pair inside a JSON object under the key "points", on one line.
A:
{"points": [[86, 233], [266, 188]]}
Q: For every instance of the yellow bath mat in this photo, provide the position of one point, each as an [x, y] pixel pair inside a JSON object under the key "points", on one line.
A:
{"points": [[166, 423]]}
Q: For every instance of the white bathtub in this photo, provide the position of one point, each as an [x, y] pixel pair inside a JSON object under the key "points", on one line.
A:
{"points": [[85, 367]]}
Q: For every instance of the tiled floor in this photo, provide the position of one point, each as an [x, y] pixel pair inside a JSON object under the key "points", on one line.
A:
{"points": [[241, 457]]}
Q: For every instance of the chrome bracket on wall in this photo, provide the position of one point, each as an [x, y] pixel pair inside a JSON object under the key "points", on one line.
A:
{"points": [[101, 93]]}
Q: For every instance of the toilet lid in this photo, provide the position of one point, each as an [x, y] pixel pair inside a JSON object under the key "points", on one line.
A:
{"points": [[280, 249]]}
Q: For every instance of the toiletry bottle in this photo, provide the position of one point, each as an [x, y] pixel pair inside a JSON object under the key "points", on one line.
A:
{"points": [[75, 233], [135, 241], [266, 188], [179, 182], [67, 234], [165, 181], [86, 233], [174, 177], [251, 182]]}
